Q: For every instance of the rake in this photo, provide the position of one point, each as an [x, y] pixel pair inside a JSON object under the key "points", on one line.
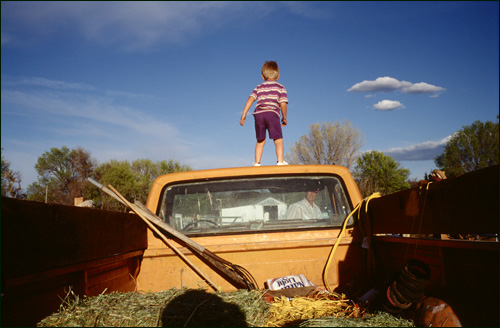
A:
{"points": [[236, 275]]}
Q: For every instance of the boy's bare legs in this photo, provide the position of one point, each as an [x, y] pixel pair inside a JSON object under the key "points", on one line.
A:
{"points": [[278, 143], [259, 149]]}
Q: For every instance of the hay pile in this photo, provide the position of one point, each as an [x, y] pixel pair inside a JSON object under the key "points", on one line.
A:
{"points": [[197, 307], [327, 310], [285, 311], [379, 319], [169, 308]]}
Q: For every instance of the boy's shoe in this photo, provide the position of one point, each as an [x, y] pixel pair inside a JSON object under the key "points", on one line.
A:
{"points": [[282, 163], [255, 164]]}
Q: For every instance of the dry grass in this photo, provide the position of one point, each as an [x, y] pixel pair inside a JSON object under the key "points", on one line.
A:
{"points": [[379, 319], [199, 308], [170, 308]]}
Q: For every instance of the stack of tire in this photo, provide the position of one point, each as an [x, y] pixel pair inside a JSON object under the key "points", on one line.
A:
{"points": [[408, 288]]}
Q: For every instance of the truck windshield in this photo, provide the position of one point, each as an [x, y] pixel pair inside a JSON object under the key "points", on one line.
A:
{"points": [[247, 205]]}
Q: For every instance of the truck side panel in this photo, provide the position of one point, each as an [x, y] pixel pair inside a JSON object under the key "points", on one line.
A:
{"points": [[47, 248], [464, 273], [466, 204]]}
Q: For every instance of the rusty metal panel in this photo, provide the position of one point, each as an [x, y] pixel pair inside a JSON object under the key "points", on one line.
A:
{"points": [[38, 237], [466, 204], [48, 248]]}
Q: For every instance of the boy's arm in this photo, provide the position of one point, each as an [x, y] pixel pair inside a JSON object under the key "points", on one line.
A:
{"points": [[283, 106], [245, 110]]}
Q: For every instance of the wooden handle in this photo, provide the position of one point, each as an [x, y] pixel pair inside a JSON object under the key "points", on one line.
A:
{"points": [[162, 224], [221, 266], [138, 211], [230, 272]]}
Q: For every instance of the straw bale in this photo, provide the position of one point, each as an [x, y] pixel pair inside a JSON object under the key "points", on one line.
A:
{"points": [[200, 308], [291, 311], [379, 319], [169, 308]]}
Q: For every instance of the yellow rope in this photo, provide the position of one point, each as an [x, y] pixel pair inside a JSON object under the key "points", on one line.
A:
{"points": [[332, 252]]}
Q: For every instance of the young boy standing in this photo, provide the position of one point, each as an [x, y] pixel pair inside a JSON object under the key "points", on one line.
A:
{"points": [[271, 98]]}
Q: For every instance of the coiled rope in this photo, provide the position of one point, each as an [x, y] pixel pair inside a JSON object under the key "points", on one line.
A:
{"points": [[408, 287]]}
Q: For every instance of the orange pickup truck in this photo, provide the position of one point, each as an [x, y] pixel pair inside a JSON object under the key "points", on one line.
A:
{"points": [[274, 221], [247, 216]]}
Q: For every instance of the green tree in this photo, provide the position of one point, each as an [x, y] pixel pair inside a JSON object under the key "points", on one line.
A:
{"points": [[377, 172], [62, 175], [472, 148], [11, 181], [133, 180], [118, 174], [331, 143]]}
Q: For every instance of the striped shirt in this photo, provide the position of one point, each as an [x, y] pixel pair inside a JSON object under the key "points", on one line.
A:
{"points": [[269, 96]]}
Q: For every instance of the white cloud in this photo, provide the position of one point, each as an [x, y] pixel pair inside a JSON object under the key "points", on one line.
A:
{"points": [[78, 106], [421, 87], [388, 105], [126, 24], [383, 84], [59, 113], [43, 82], [309, 9], [427, 150], [134, 25], [388, 84]]}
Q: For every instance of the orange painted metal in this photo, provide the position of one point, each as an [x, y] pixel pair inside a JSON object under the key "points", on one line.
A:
{"points": [[267, 254]]}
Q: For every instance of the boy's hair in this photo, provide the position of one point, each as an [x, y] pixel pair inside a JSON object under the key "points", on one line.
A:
{"points": [[270, 70]]}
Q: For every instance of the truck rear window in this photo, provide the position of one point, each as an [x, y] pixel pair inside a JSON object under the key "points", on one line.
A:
{"points": [[256, 204]]}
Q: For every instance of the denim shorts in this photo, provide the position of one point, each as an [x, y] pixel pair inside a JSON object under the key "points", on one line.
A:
{"points": [[267, 121]]}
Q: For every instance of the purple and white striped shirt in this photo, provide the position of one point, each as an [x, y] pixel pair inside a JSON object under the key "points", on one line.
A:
{"points": [[269, 96]]}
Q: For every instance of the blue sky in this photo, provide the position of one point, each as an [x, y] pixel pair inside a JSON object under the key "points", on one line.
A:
{"points": [[169, 80]]}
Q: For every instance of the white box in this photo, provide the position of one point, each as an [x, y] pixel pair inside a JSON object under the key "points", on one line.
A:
{"points": [[295, 281]]}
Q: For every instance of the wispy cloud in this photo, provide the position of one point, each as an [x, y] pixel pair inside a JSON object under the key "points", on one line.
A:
{"points": [[420, 152], [62, 113], [126, 24], [77, 106], [309, 9], [421, 87], [70, 109], [388, 84], [12, 81], [387, 105], [134, 25]]}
